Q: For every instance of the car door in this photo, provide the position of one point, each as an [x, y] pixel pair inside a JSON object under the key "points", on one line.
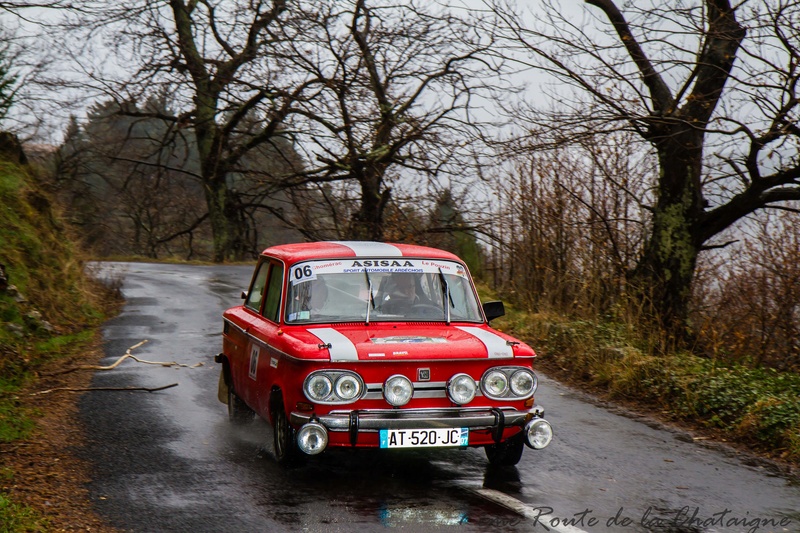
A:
{"points": [[263, 334]]}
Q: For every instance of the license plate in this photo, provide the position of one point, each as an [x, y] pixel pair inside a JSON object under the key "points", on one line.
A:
{"points": [[424, 438]]}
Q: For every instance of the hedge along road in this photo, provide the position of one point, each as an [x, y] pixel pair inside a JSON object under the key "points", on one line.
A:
{"points": [[171, 461]]}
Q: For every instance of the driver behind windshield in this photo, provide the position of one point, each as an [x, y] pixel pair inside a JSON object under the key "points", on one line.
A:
{"points": [[401, 294]]}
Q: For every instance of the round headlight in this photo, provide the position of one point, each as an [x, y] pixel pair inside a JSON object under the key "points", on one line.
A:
{"points": [[523, 383], [495, 384], [318, 387], [348, 387], [461, 389], [398, 390]]}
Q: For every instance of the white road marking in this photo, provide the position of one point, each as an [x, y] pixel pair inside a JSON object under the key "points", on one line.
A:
{"points": [[543, 518]]}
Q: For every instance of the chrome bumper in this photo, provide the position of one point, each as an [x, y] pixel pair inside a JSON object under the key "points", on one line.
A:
{"points": [[377, 419]]}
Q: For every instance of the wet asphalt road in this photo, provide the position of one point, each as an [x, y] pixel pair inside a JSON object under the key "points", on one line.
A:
{"points": [[170, 461]]}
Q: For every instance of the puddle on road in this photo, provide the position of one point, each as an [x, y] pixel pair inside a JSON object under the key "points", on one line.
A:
{"points": [[396, 515]]}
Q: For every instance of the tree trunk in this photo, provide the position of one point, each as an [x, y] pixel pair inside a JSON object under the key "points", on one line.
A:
{"points": [[367, 223], [216, 200], [662, 279]]}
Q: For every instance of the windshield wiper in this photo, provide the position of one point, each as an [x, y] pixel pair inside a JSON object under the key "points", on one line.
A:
{"points": [[446, 298], [370, 298]]}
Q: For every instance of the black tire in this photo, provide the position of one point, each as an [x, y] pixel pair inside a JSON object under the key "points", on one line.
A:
{"points": [[506, 453], [238, 412], [284, 438]]}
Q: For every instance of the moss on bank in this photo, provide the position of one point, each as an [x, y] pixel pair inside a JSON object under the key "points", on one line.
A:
{"points": [[48, 309], [757, 407]]}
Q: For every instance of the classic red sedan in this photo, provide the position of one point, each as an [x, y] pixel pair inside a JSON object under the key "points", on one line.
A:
{"points": [[366, 344]]}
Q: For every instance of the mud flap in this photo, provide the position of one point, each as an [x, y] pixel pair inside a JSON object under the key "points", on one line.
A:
{"points": [[222, 389]]}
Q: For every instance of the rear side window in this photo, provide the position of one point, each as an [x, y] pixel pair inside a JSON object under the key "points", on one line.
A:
{"points": [[256, 294], [272, 306]]}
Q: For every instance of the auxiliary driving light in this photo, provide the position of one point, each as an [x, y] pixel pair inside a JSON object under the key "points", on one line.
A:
{"points": [[461, 389], [312, 438], [538, 433], [398, 390]]}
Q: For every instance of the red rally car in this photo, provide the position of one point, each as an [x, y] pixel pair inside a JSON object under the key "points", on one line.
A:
{"points": [[367, 344]]}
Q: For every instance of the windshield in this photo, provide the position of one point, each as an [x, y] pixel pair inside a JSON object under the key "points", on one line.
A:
{"points": [[380, 290]]}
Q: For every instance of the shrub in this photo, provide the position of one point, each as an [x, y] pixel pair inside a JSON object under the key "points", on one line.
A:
{"points": [[755, 406]]}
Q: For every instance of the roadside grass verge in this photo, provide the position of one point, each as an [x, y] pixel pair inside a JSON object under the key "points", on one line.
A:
{"points": [[49, 310], [16, 420], [15, 517], [756, 407]]}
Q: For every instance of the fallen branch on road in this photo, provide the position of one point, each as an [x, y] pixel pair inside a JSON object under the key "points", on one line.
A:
{"points": [[127, 355], [92, 389]]}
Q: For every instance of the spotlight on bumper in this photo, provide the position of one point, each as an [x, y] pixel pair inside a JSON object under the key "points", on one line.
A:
{"points": [[312, 438], [538, 433]]}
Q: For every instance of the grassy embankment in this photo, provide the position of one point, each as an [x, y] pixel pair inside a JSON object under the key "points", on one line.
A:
{"points": [[757, 407], [48, 311]]}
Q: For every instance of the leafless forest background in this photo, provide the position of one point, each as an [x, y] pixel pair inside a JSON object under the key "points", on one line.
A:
{"points": [[530, 146]]}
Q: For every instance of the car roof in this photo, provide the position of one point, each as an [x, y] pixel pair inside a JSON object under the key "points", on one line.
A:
{"points": [[291, 253]]}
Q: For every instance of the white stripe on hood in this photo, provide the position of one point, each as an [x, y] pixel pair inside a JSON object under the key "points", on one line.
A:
{"points": [[496, 346], [341, 348]]}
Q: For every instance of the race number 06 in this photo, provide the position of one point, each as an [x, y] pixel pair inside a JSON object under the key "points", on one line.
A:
{"points": [[302, 273]]}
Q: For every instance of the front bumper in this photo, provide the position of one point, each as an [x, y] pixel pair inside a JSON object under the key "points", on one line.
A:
{"points": [[372, 420]]}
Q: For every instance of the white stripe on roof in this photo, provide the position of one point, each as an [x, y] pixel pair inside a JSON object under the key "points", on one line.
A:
{"points": [[369, 248]]}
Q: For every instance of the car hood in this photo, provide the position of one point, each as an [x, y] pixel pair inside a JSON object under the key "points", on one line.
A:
{"points": [[393, 342]]}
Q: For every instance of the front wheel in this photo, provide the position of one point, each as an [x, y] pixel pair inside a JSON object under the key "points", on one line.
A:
{"points": [[284, 439], [506, 453]]}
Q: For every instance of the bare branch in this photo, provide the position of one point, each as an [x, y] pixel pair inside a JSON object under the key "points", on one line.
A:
{"points": [[94, 389], [660, 93]]}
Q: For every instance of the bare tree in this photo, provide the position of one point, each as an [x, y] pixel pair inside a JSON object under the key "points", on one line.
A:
{"points": [[7, 82], [26, 27], [569, 225], [126, 183], [366, 91], [751, 310], [724, 131], [210, 58], [399, 84]]}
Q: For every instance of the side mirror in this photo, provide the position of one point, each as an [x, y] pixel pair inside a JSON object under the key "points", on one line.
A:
{"points": [[493, 310], [244, 295]]}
